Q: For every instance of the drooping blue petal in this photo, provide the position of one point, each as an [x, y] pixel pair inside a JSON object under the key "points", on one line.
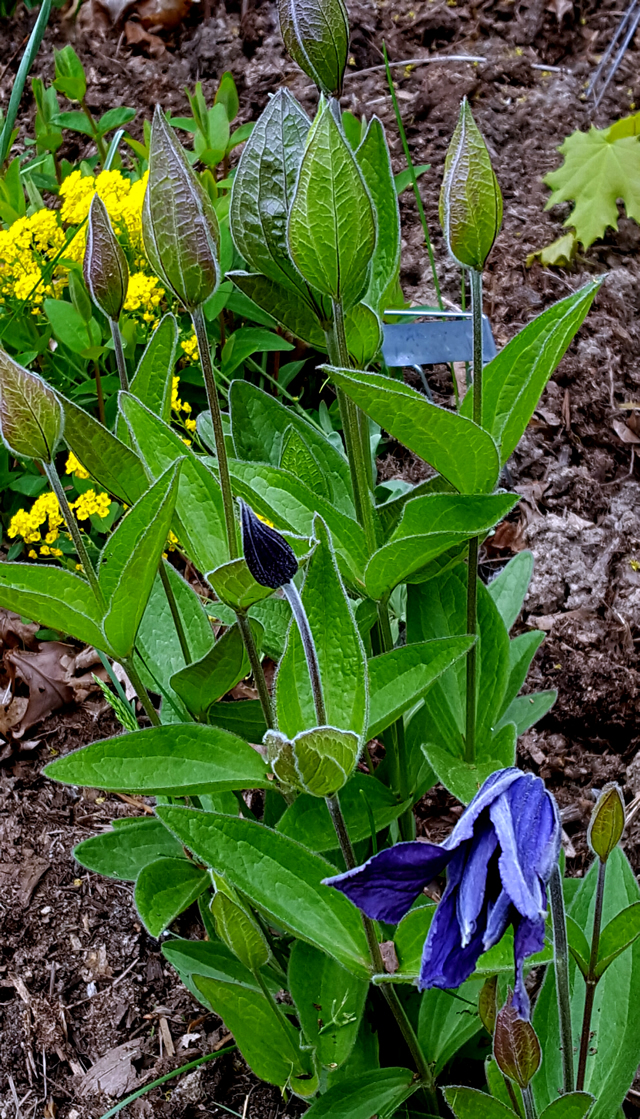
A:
{"points": [[517, 871], [473, 884], [499, 915], [528, 938], [387, 885], [446, 963], [496, 784]]}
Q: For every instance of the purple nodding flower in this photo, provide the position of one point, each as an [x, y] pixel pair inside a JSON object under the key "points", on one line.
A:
{"points": [[270, 559], [499, 858]]}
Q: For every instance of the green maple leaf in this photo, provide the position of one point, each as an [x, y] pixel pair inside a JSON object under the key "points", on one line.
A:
{"points": [[600, 166]]}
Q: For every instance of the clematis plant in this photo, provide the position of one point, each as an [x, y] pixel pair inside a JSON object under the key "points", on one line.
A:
{"points": [[289, 818]]}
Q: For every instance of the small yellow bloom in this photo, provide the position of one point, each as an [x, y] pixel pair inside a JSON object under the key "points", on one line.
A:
{"points": [[75, 467], [190, 347], [91, 504], [143, 294]]}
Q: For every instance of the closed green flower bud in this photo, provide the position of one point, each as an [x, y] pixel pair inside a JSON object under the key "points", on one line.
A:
{"points": [[31, 417], [515, 1046], [179, 224], [607, 822], [237, 928], [470, 199], [318, 761], [105, 269], [316, 35]]}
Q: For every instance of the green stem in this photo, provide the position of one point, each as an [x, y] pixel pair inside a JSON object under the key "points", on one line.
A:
{"points": [[100, 144], [512, 1096], [76, 535], [175, 612], [297, 609], [591, 980], [257, 669], [99, 393], [395, 737], [390, 994], [269, 997], [561, 964], [142, 693], [529, 1106], [119, 352], [218, 432], [474, 543], [414, 179]]}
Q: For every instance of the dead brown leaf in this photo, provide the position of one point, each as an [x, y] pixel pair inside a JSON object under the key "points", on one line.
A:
{"points": [[50, 674], [15, 632], [136, 35], [623, 432], [114, 1073]]}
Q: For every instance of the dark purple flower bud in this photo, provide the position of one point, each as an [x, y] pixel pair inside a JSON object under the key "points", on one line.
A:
{"points": [[498, 857], [271, 561]]}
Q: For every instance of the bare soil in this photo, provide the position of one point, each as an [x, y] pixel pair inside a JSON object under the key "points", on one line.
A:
{"points": [[79, 977]]}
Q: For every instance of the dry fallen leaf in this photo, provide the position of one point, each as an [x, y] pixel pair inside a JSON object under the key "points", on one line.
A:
{"points": [[623, 432], [114, 1073], [136, 35]]}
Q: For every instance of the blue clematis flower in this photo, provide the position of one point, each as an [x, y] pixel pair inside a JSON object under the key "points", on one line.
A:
{"points": [[499, 858]]}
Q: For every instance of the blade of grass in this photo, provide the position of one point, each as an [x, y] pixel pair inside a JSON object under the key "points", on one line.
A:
{"points": [[169, 1076], [30, 53]]}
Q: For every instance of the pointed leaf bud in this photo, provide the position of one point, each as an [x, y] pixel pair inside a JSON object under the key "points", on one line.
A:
{"points": [[318, 761], [236, 926], [316, 35], [31, 417], [271, 561], [488, 1003], [105, 269], [179, 224], [607, 822], [470, 199], [515, 1046]]}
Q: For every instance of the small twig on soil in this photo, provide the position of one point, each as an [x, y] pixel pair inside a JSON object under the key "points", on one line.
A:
{"points": [[422, 61], [15, 1097]]}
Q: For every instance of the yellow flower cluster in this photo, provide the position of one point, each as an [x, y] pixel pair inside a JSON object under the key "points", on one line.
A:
{"points": [[75, 467], [144, 294], [91, 504], [123, 202], [29, 525], [179, 406], [29, 244], [190, 347]]}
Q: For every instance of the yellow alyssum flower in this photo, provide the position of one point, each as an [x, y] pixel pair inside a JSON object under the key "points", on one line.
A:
{"points": [[190, 347], [28, 524], [74, 466], [144, 294], [91, 504]]}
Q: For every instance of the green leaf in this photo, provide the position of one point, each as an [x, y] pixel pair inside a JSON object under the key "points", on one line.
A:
{"points": [[339, 647], [600, 166], [525, 710], [469, 1103], [621, 932], [454, 446], [259, 424], [70, 78], [363, 331], [577, 1105], [522, 650], [447, 1022], [69, 327], [115, 118], [398, 679], [113, 465], [55, 598], [152, 379], [215, 961], [410, 936], [244, 718], [285, 306], [404, 178], [129, 561], [558, 254], [308, 821], [329, 1001], [430, 526], [124, 851], [299, 459], [199, 512], [615, 1038], [246, 341], [268, 1042], [462, 779], [18, 84], [331, 231], [513, 382], [281, 877], [578, 945], [373, 160], [75, 121], [200, 684], [290, 505], [182, 760], [227, 95], [509, 588], [378, 1092], [263, 189], [317, 38], [165, 888], [235, 586]]}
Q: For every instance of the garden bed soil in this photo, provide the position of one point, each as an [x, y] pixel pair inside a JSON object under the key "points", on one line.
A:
{"points": [[79, 977]]}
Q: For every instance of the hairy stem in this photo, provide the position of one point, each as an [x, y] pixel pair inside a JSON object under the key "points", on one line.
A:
{"points": [[120, 362], [218, 432], [293, 598], [561, 963], [474, 543], [269, 997], [76, 535], [529, 1106], [389, 991], [591, 980], [175, 612], [142, 693], [99, 393], [257, 669]]}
